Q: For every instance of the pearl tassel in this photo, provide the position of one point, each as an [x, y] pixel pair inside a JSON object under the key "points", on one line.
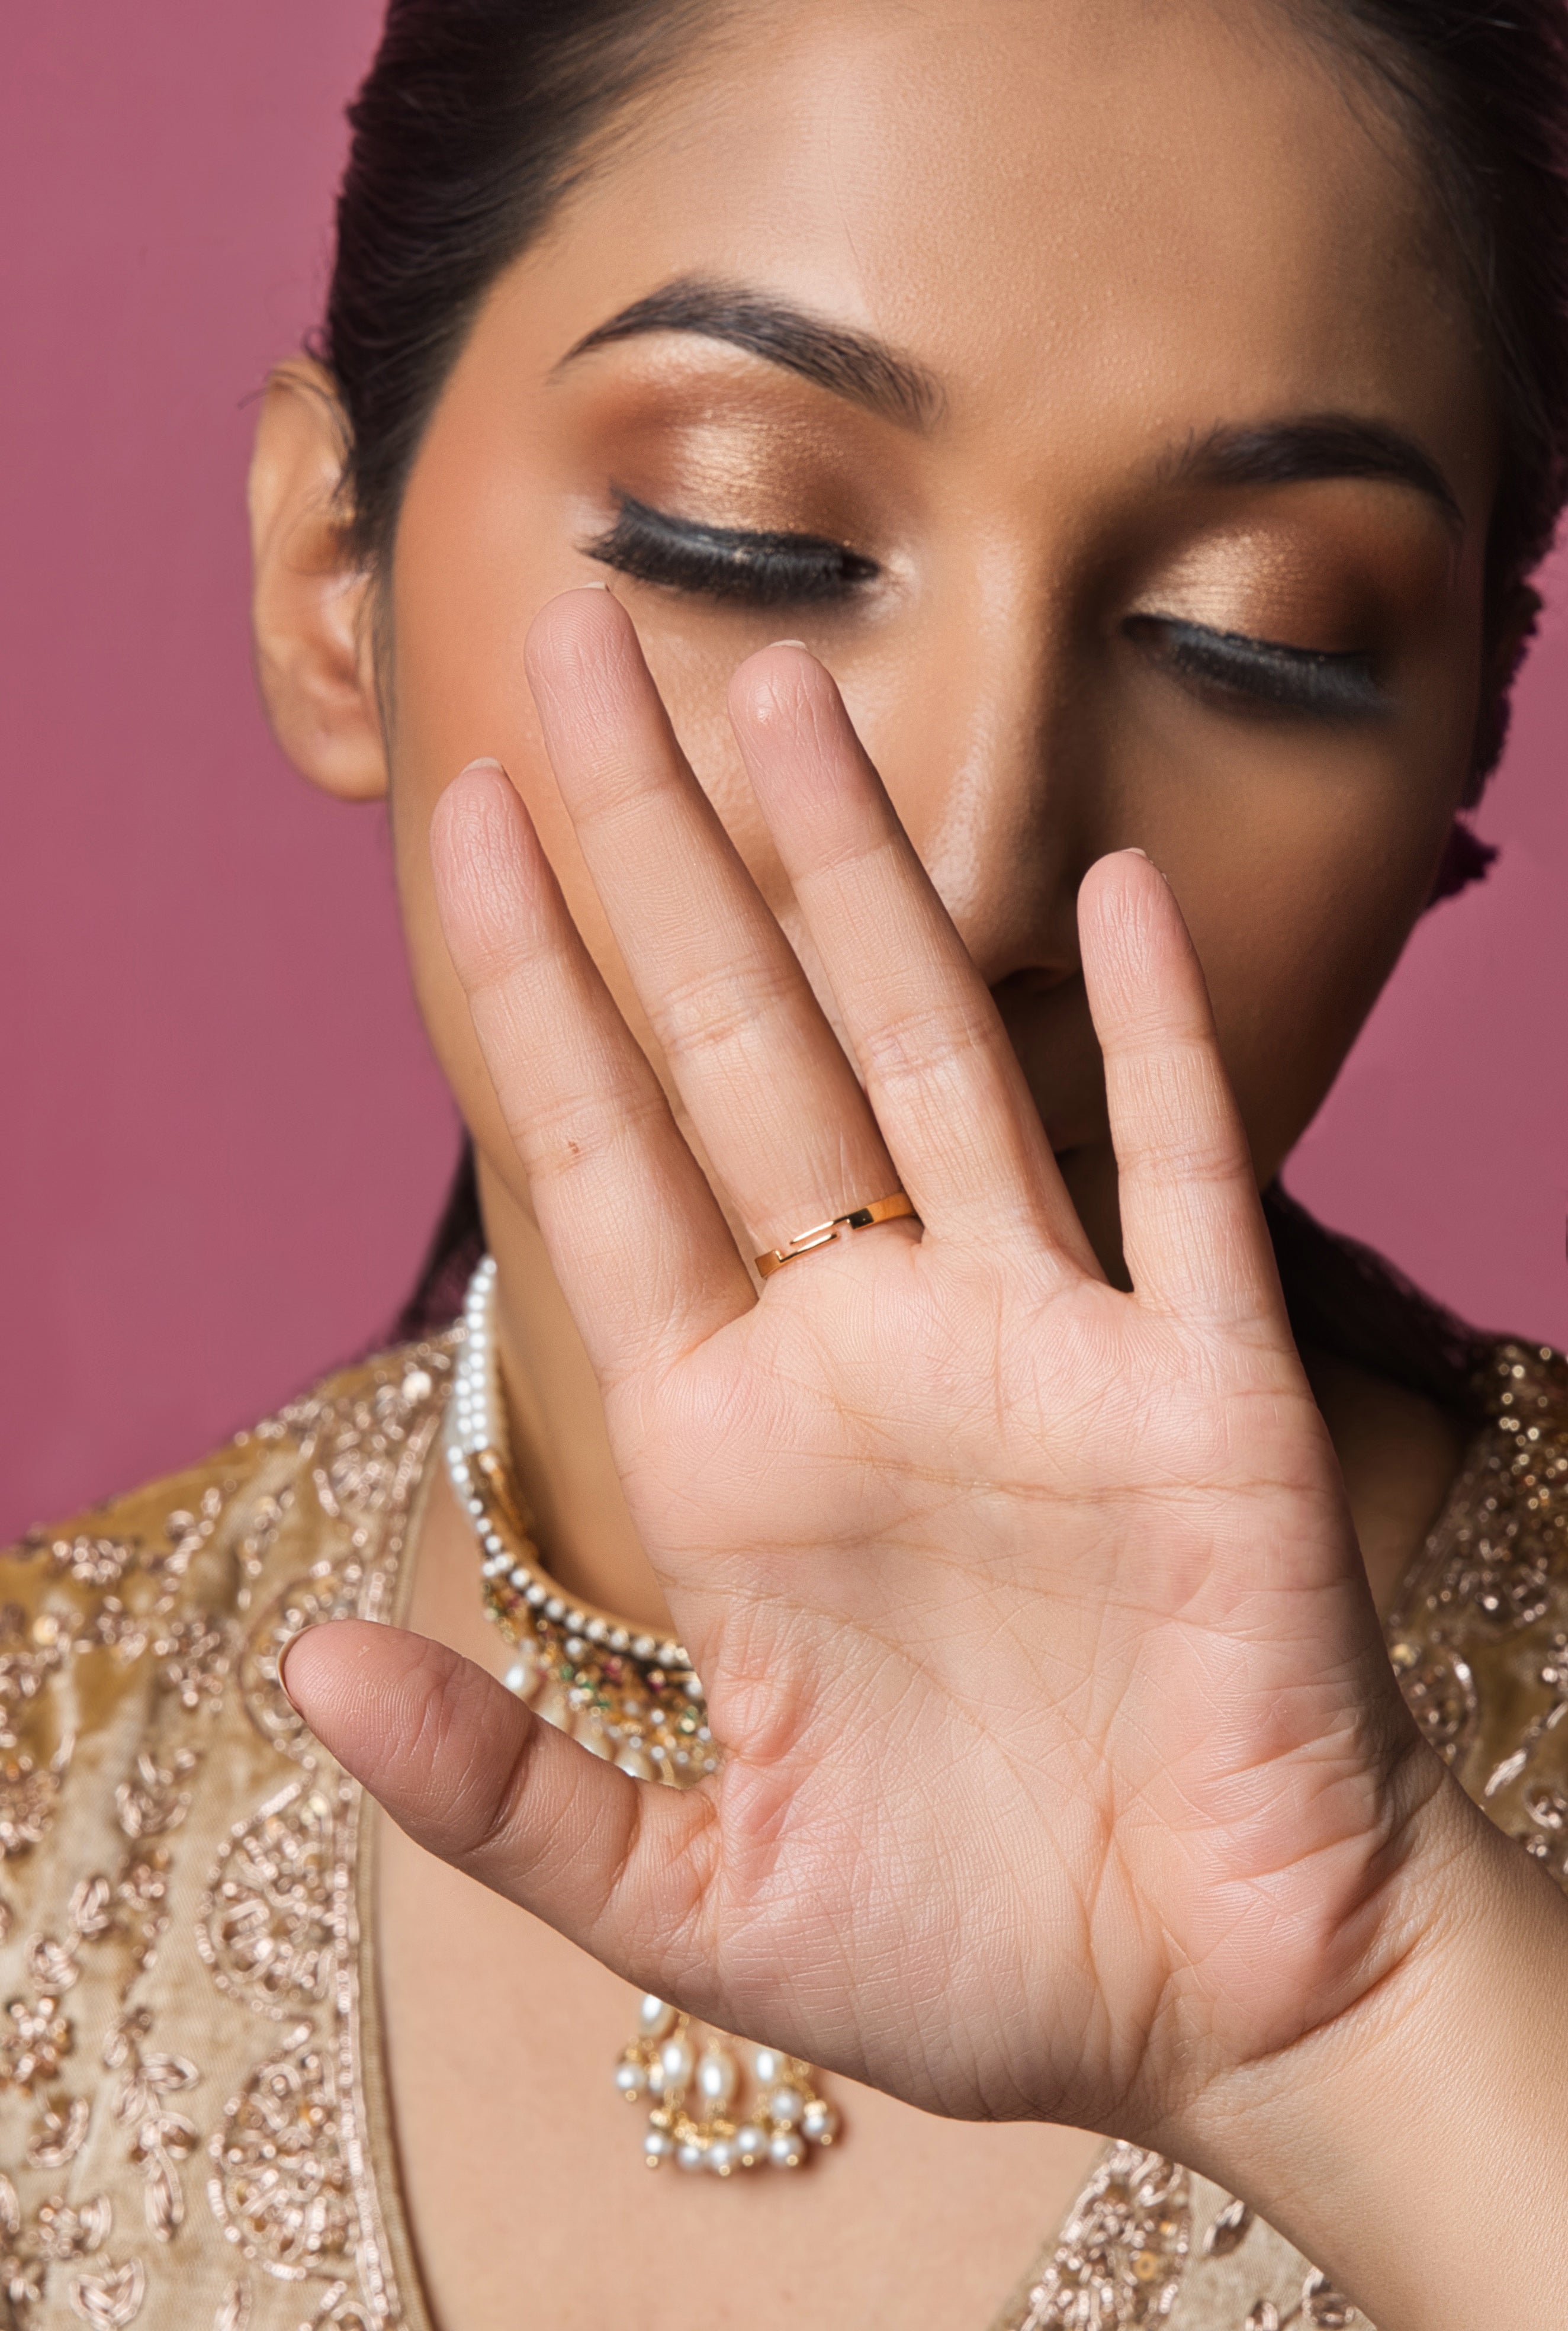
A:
{"points": [[787, 2116]]}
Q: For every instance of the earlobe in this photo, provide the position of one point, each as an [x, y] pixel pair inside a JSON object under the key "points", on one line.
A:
{"points": [[309, 607]]}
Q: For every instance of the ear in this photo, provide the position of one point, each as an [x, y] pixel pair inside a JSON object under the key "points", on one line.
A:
{"points": [[310, 601]]}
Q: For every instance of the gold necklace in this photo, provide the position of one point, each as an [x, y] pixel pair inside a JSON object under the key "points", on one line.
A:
{"points": [[634, 1699]]}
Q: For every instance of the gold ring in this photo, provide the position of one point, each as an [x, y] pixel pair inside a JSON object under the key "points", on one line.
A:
{"points": [[858, 1217]]}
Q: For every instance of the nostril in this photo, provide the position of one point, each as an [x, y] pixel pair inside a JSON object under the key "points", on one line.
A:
{"points": [[1032, 979]]}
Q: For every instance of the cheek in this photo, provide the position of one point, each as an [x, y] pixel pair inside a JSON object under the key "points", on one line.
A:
{"points": [[1297, 942]]}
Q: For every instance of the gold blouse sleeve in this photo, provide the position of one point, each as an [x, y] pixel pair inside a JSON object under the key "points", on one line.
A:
{"points": [[190, 2123]]}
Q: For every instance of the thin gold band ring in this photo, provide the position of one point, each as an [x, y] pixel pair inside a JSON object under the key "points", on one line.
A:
{"points": [[858, 1217]]}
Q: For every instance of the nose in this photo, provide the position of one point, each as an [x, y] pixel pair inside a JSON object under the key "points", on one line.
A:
{"points": [[983, 748]]}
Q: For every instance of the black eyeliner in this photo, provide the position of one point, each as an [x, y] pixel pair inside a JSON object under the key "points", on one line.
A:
{"points": [[719, 562], [1327, 684]]}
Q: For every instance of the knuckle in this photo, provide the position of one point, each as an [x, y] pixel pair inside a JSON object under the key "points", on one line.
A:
{"points": [[498, 952], [496, 1815], [1175, 1102], [729, 1010], [579, 1134], [928, 1045]]}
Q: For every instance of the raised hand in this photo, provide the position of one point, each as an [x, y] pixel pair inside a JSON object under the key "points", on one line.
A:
{"points": [[1065, 1773]]}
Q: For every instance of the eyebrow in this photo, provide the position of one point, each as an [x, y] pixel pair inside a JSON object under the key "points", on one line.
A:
{"points": [[871, 373], [1318, 446], [852, 365]]}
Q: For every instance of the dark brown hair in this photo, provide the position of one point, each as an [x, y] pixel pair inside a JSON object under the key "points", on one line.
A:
{"points": [[479, 116]]}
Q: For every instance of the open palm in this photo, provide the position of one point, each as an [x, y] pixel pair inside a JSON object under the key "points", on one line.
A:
{"points": [[1065, 1772]]}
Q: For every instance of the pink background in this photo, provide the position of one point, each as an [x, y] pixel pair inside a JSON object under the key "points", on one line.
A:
{"points": [[223, 1144]]}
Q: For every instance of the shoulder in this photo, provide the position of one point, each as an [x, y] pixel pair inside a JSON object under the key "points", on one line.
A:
{"points": [[1523, 1388], [1479, 1635], [149, 1597], [178, 1875]]}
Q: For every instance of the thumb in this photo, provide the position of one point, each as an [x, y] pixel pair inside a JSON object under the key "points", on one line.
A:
{"points": [[620, 1867]]}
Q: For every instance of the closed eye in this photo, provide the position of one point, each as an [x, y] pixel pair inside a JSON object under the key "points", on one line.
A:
{"points": [[722, 561], [1264, 676]]}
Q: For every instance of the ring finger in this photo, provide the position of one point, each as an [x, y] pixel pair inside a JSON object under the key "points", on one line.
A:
{"points": [[771, 1094]]}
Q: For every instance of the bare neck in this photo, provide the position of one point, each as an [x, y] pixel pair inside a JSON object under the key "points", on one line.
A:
{"points": [[559, 1442]]}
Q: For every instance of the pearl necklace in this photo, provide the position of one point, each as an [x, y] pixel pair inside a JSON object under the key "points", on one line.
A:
{"points": [[633, 1698]]}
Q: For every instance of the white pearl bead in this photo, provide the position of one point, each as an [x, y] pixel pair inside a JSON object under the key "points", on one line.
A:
{"points": [[690, 2156], [675, 2062], [786, 2150], [716, 2073], [768, 2066], [632, 2080], [819, 2122], [721, 2156], [750, 2145], [657, 2147], [785, 2106], [656, 2016]]}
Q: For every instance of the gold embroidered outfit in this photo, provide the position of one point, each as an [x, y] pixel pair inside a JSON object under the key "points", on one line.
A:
{"points": [[194, 2127]]}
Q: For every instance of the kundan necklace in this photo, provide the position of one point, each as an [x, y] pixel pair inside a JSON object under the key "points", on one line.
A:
{"points": [[633, 1697]]}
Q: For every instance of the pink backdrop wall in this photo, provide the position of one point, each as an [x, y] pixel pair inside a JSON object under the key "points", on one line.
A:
{"points": [[221, 1142]]}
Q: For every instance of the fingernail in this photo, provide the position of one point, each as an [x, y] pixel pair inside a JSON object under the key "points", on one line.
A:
{"points": [[1134, 852], [282, 1669], [789, 644], [484, 761]]}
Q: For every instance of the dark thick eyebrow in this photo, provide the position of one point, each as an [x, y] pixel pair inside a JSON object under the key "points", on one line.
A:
{"points": [[1321, 445], [849, 364]]}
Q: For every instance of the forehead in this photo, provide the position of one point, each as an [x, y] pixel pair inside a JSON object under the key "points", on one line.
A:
{"points": [[1108, 204]]}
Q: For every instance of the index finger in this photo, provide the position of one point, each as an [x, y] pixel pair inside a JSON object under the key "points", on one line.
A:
{"points": [[940, 1071]]}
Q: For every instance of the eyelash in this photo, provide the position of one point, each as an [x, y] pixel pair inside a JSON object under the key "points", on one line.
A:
{"points": [[721, 562], [778, 570], [1273, 678]]}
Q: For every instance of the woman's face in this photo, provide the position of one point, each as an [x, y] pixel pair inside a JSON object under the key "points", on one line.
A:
{"points": [[1129, 446]]}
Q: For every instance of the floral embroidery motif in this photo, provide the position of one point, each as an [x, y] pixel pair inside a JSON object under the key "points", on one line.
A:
{"points": [[281, 2187], [1229, 2231], [100, 1562], [162, 2138], [27, 1801], [55, 2235], [57, 2138], [234, 2314], [1119, 2257], [196, 1657], [155, 1803], [112, 2299], [310, 1602], [268, 1929], [1321, 2308], [34, 2039]]}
